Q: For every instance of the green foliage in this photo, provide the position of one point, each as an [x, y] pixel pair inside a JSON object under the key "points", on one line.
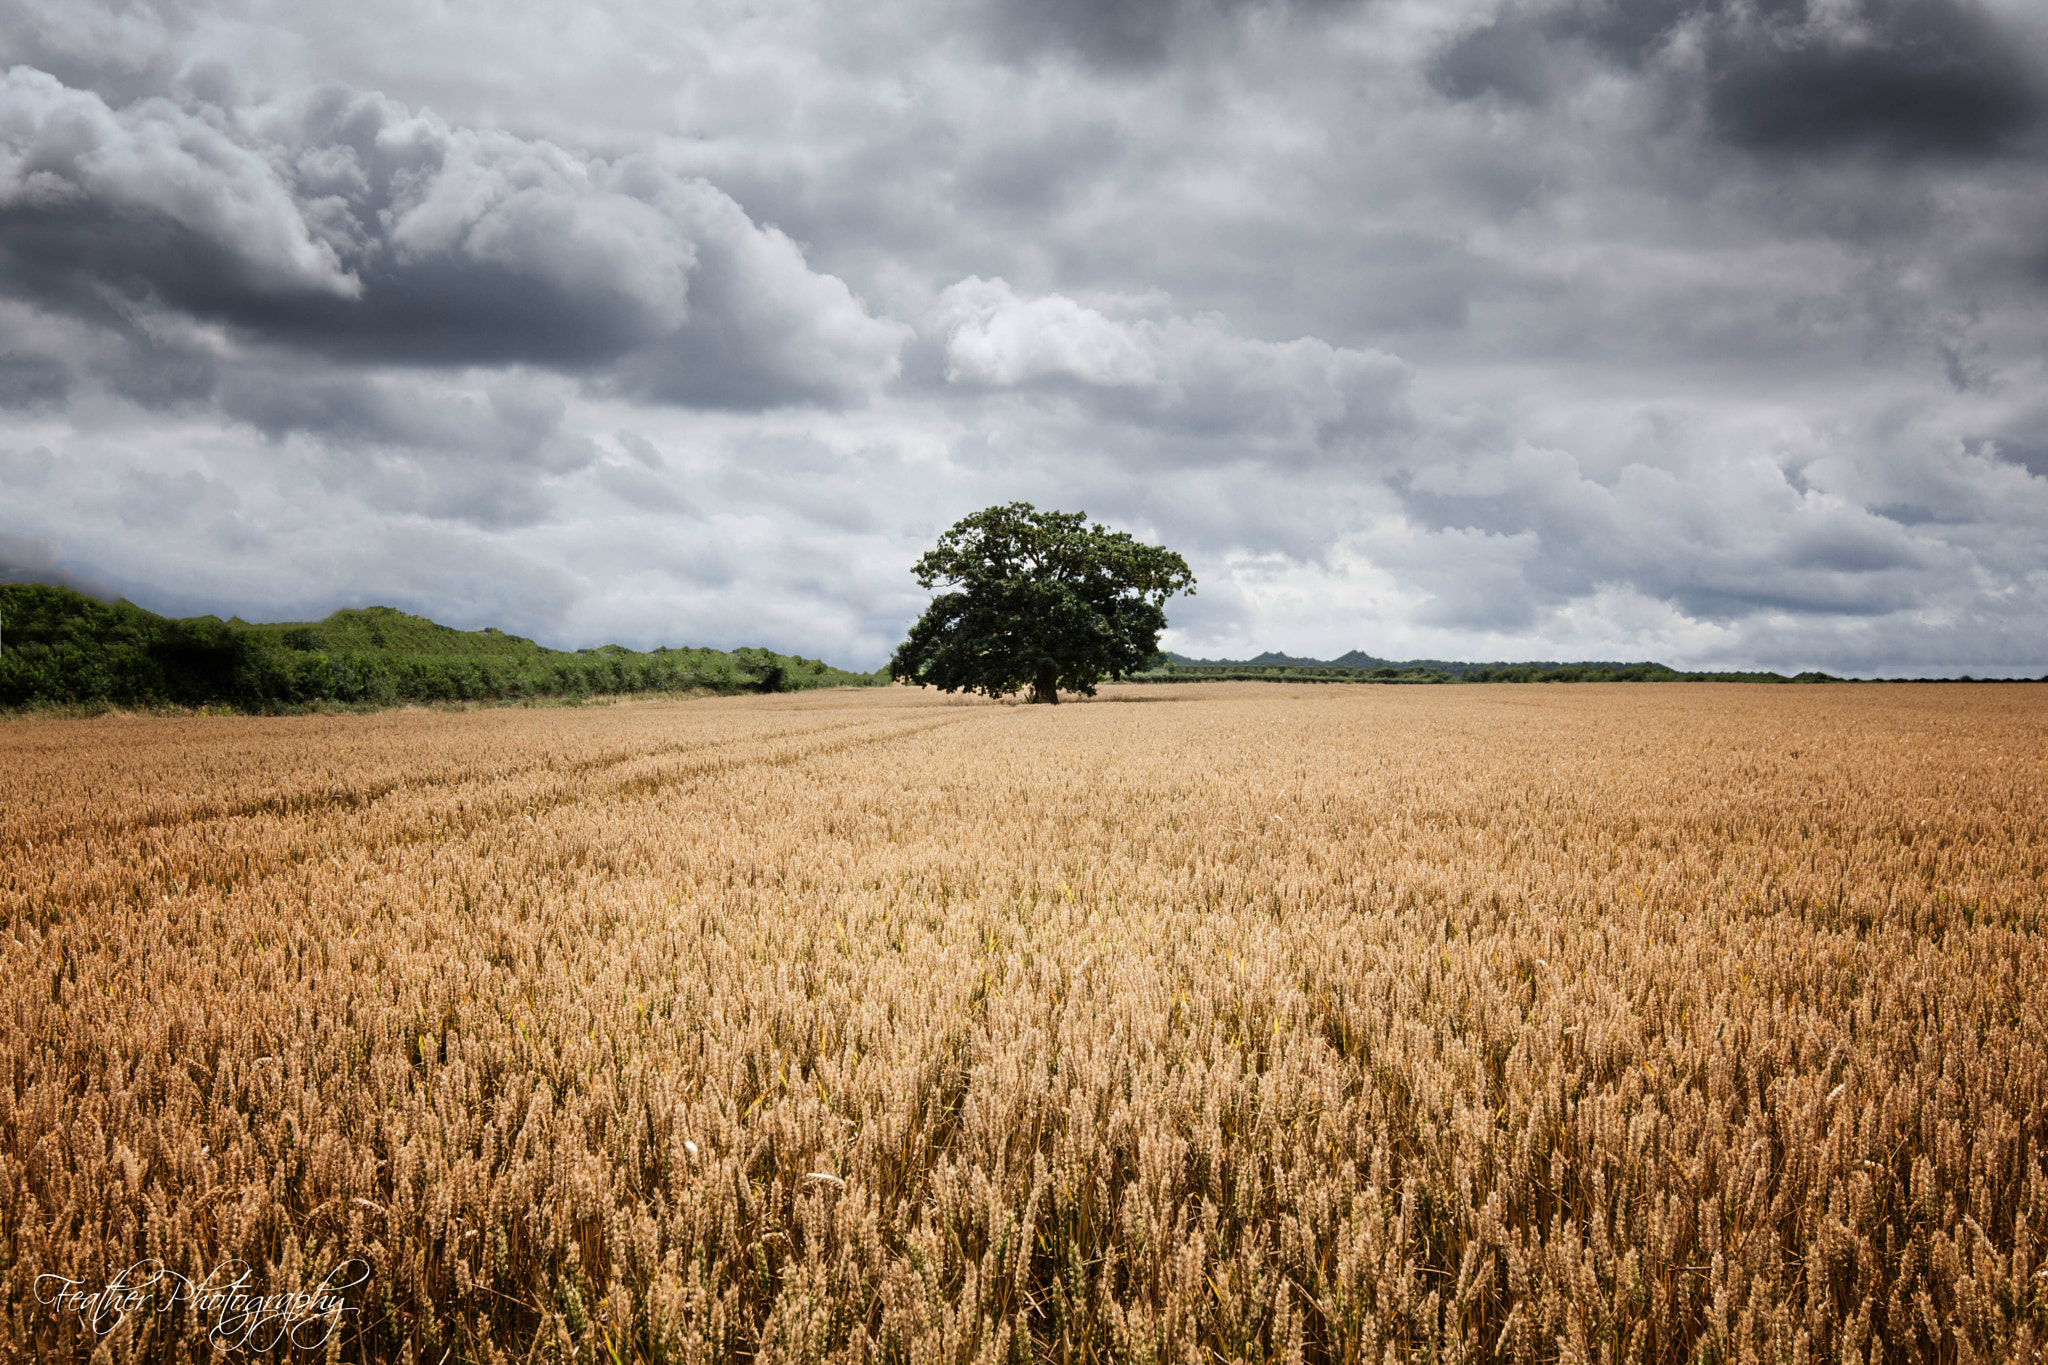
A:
{"points": [[1039, 599], [66, 649]]}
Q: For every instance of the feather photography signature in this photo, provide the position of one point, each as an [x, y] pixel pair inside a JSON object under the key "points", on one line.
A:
{"points": [[238, 1316]]}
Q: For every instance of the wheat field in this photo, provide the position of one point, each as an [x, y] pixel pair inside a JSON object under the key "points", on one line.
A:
{"points": [[1212, 1023]]}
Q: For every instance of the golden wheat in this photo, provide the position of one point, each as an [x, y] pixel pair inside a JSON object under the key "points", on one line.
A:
{"points": [[1215, 1023]]}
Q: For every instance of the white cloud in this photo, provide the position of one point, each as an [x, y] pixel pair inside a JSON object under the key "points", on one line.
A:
{"points": [[995, 337], [1193, 380]]}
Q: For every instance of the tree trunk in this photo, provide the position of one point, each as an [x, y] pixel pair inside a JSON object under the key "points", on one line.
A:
{"points": [[1047, 688]]}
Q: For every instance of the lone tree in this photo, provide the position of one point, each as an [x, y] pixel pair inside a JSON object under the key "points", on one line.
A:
{"points": [[1040, 599]]}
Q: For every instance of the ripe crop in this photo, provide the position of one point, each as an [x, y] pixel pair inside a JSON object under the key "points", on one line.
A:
{"points": [[1221, 1022]]}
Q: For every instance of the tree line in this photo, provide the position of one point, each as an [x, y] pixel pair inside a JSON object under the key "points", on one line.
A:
{"points": [[1164, 669], [62, 648]]}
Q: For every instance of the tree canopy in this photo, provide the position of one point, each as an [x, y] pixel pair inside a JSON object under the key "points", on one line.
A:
{"points": [[1038, 599]]}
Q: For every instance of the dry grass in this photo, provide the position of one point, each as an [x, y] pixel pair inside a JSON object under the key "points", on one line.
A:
{"points": [[1206, 1023]]}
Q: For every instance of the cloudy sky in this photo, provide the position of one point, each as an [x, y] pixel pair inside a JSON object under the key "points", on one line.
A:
{"points": [[1710, 331]]}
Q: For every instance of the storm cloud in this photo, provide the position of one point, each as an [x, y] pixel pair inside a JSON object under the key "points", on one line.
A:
{"points": [[347, 226], [1788, 77], [1691, 329]]}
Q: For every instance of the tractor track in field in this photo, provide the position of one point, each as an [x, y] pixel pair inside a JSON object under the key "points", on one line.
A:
{"points": [[196, 857]]}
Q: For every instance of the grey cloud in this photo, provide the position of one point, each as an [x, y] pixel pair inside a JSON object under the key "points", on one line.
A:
{"points": [[834, 505], [1475, 581], [461, 578], [1629, 32], [161, 501], [1522, 53], [798, 476], [155, 374], [239, 536], [1219, 611], [29, 381], [1678, 328], [1296, 396], [1962, 492], [347, 225], [1511, 532], [1905, 77], [1511, 57], [640, 448], [784, 454], [445, 492], [2026, 448], [1721, 543], [1725, 598], [1216, 504], [644, 491], [1033, 175], [1117, 33], [66, 149], [698, 560], [128, 49], [1969, 639], [1852, 544], [26, 471], [37, 559], [1110, 33], [405, 446], [1229, 396], [512, 423]]}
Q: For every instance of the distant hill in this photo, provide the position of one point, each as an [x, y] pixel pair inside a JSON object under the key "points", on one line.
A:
{"points": [[61, 647], [1358, 666]]}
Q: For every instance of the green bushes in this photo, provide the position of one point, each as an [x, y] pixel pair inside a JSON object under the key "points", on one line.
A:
{"points": [[59, 647]]}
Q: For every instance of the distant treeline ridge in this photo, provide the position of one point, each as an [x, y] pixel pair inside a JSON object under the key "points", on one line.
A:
{"points": [[1360, 667]]}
